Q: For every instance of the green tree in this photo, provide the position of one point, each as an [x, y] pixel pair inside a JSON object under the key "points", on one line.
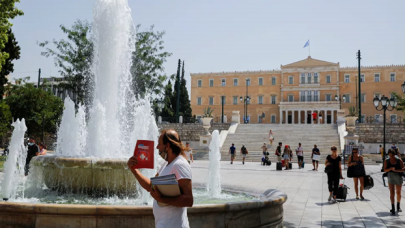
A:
{"points": [[40, 109], [13, 51], [185, 107], [74, 58], [167, 111], [176, 84], [7, 12], [401, 102], [148, 59], [5, 120]]}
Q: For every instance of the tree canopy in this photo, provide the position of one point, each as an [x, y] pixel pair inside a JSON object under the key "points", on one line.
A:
{"points": [[39, 108], [13, 50], [7, 11]]}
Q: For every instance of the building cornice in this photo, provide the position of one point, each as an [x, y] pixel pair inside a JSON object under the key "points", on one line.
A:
{"points": [[376, 67], [236, 73]]}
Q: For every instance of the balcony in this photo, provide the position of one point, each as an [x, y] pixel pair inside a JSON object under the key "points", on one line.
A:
{"points": [[309, 84], [309, 104]]}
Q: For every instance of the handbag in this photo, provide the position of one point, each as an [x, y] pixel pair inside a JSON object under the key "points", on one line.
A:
{"points": [[328, 169], [368, 182]]}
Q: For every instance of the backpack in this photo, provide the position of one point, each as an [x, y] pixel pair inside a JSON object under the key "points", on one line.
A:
{"points": [[277, 150], [244, 151]]}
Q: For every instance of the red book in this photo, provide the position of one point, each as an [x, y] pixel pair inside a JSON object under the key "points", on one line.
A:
{"points": [[144, 151]]}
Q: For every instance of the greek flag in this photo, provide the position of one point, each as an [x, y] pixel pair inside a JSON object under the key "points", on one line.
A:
{"points": [[306, 44]]}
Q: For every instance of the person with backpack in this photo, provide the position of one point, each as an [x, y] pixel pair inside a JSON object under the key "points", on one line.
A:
{"points": [[333, 167], [395, 169], [357, 165], [244, 152], [278, 151]]}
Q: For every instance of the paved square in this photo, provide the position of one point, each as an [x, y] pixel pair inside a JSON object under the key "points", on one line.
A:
{"points": [[307, 190]]}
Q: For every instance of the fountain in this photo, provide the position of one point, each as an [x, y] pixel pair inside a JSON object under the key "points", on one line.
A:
{"points": [[90, 160], [214, 176]]}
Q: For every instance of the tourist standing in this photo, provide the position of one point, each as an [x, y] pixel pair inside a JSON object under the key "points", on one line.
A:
{"points": [[244, 152], [315, 162], [314, 117], [271, 137], [394, 167], [278, 151], [286, 156], [320, 117], [42, 149], [33, 150], [300, 155], [264, 148], [232, 150], [263, 116], [334, 161], [189, 153], [356, 161], [172, 151]]}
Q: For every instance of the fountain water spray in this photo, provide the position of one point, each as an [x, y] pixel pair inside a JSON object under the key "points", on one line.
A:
{"points": [[14, 166], [214, 176]]}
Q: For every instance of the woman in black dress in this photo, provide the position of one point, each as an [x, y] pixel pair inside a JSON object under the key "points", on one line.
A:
{"points": [[357, 162], [334, 161]]}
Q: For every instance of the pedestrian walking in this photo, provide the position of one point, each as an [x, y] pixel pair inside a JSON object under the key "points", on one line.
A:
{"points": [[278, 151], [394, 167], [232, 151], [315, 157], [271, 137], [334, 164], [264, 148], [286, 156], [357, 165], [300, 155], [244, 152], [320, 117]]}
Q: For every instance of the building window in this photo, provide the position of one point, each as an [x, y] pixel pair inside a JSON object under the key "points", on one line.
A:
{"points": [[377, 77], [377, 118], [290, 98], [392, 77], [393, 118], [302, 78], [260, 81], [235, 82], [273, 99], [273, 118], [259, 119], [199, 84], [260, 99], [302, 97], [377, 95], [211, 82], [316, 78], [316, 95], [328, 97], [223, 82], [327, 78], [198, 100], [211, 100], [290, 79], [248, 81], [273, 80], [347, 100], [235, 100], [362, 78], [309, 78], [309, 96], [363, 98], [347, 78]]}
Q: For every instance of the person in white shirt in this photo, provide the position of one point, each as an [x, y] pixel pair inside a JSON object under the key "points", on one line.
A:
{"points": [[189, 153], [172, 150], [300, 155]]}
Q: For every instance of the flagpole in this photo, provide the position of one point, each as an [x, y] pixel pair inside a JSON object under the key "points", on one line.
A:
{"points": [[309, 44]]}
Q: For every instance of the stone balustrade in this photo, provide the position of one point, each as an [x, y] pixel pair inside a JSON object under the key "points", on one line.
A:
{"points": [[373, 133]]}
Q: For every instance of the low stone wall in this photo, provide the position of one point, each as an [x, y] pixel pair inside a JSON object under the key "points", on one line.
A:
{"points": [[374, 133], [192, 131]]}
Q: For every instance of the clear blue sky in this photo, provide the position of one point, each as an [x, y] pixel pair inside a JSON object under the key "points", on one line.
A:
{"points": [[232, 35]]}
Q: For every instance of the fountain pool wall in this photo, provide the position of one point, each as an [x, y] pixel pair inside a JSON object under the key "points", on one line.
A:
{"points": [[266, 212]]}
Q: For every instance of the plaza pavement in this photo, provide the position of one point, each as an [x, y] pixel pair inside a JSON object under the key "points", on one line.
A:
{"points": [[307, 192]]}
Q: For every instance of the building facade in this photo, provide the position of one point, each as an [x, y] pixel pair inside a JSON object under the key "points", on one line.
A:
{"points": [[298, 93]]}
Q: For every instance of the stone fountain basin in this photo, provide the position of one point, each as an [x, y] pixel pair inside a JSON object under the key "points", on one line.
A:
{"points": [[93, 176], [266, 212]]}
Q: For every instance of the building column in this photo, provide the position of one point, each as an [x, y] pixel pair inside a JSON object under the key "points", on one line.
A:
{"points": [[326, 115], [319, 122], [312, 121], [293, 114], [281, 116], [332, 112]]}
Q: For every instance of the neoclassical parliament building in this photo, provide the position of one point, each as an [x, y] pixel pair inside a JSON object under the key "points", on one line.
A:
{"points": [[292, 94]]}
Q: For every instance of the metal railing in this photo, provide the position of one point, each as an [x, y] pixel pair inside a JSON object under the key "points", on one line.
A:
{"points": [[373, 120]]}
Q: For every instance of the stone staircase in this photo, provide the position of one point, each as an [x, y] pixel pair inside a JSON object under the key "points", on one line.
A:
{"points": [[254, 135]]}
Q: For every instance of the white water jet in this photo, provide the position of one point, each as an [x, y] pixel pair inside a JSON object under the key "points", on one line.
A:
{"points": [[14, 166], [214, 175]]}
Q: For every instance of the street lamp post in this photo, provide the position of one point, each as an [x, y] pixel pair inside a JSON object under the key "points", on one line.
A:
{"points": [[245, 101], [340, 100], [385, 105]]}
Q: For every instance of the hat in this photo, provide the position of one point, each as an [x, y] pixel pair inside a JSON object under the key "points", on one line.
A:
{"points": [[286, 146]]}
